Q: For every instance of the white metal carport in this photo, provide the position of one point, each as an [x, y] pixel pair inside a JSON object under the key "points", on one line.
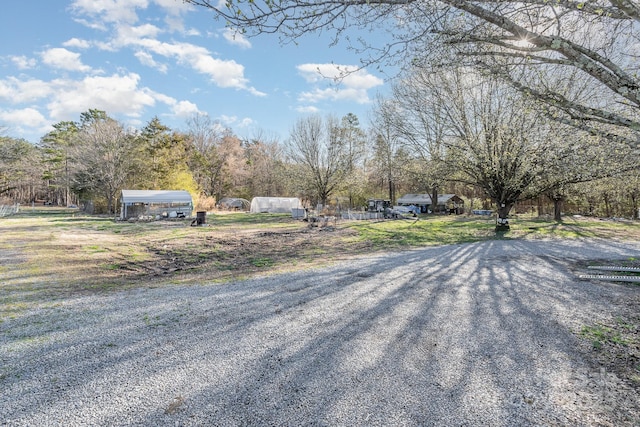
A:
{"points": [[164, 203]]}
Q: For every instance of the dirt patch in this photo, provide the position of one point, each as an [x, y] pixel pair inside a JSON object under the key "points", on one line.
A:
{"points": [[230, 254], [51, 256]]}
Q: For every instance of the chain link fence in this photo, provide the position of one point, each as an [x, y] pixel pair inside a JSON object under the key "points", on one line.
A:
{"points": [[6, 210]]}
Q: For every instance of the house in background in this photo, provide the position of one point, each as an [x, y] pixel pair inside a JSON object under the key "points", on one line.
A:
{"points": [[155, 203], [447, 203]]}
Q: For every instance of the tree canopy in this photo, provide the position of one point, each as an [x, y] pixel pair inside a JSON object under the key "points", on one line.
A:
{"points": [[577, 58]]}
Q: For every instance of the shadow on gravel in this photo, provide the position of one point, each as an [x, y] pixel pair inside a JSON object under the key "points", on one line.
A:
{"points": [[476, 334]]}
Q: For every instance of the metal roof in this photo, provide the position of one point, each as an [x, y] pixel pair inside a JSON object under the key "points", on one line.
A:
{"points": [[424, 199], [156, 196]]}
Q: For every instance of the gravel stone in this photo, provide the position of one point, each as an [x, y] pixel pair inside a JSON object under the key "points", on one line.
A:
{"points": [[463, 335]]}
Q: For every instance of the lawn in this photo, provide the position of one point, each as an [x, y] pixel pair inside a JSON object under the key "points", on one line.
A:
{"points": [[49, 252], [49, 255]]}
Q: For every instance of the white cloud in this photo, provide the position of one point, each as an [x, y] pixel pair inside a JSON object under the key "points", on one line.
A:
{"points": [[165, 99], [64, 59], [131, 34], [181, 109], [175, 24], [335, 94], [175, 10], [24, 121], [234, 121], [146, 59], [77, 43], [236, 38], [224, 73], [29, 117], [24, 63], [346, 83], [116, 94], [192, 32], [122, 14], [185, 109], [121, 11], [174, 7], [246, 122], [307, 109], [18, 91], [65, 99]]}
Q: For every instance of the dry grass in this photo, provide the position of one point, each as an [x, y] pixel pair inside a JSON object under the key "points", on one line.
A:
{"points": [[56, 251], [52, 254], [62, 254]]}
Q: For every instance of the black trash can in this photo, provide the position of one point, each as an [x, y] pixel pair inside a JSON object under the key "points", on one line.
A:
{"points": [[201, 217]]}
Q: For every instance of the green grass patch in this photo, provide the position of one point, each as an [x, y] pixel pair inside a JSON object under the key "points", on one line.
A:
{"points": [[94, 249], [426, 231], [249, 220], [262, 262], [600, 335]]}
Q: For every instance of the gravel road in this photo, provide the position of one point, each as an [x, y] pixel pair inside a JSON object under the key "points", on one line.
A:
{"points": [[481, 334]]}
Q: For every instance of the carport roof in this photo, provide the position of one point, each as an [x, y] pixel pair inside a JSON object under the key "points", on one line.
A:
{"points": [[156, 196]]}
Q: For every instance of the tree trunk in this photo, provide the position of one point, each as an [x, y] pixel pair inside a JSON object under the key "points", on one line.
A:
{"points": [[557, 208], [434, 199], [540, 207], [502, 221], [392, 191], [607, 205]]}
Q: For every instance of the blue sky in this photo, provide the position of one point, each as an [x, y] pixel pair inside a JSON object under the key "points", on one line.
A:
{"points": [[137, 59]]}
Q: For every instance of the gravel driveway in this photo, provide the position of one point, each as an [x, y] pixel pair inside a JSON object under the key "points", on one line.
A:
{"points": [[466, 335]]}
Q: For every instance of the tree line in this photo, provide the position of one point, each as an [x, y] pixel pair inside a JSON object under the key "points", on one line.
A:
{"points": [[568, 68], [499, 102], [457, 132], [90, 161]]}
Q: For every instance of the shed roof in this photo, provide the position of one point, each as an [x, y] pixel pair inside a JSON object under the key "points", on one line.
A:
{"points": [[156, 196], [425, 199], [416, 199]]}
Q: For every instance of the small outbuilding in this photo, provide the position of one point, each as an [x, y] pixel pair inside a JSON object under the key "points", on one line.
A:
{"points": [[155, 203], [234, 203], [378, 205], [275, 204], [447, 203]]}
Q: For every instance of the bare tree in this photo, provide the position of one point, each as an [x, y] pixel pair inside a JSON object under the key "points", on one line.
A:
{"points": [[577, 158], [389, 158], [353, 139], [421, 126], [477, 128], [105, 157], [493, 141], [208, 161], [265, 160], [315, 147]]}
